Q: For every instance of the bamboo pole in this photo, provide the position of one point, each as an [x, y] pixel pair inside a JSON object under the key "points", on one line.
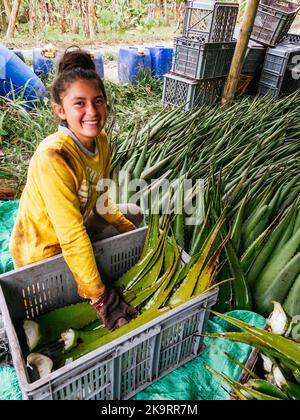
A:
{"points": [[240, 51]]}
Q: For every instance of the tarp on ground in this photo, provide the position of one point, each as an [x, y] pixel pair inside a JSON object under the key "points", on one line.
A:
{"points": [[189, 382], [8, 214]]}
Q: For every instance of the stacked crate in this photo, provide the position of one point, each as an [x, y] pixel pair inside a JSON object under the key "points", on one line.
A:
{"points": [[273, 21], [202, 55]]}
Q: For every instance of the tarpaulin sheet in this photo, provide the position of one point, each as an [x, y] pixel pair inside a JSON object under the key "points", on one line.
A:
{"points": [[8, 214]]}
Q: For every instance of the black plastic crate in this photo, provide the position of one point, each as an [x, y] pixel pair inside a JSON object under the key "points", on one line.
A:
{"points": [[190, 93], [202, 60], [273, 21], [210, 21]]}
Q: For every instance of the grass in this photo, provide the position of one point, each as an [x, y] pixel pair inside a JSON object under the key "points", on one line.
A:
{"points": [[22, 131]]}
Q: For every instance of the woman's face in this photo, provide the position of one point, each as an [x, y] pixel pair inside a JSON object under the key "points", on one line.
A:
{"points": [[84, 109]]}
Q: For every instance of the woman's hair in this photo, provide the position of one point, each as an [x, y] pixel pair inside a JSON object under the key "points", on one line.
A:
{"points": [[75, 65]]}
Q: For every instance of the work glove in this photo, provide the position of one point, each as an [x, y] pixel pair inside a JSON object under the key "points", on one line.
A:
{"points": [[113, 311]]}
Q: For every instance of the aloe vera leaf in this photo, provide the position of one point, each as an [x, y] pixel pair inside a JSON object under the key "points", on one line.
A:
{"points": [[157, 168], [144, 294], [82, 349], [179, 228], [206, 277], [141, 161], [164, 291], [288, 348], [48, 327], [263, 257], [286, 235], [276, 290], [252, 252], [185, 290], [242, 295], [237, 226], [169, 255], [293, 390], [72, 337], [151, 276], [166, 287], [292, 302], [179, 224], [266, 388], [228, 381], [276, 265], [135, 273], [242, 366]]}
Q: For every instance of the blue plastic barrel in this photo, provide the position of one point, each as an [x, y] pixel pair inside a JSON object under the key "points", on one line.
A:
{"points": [[15, 75], [98, 60], [131, 62], [161, 60], [42, 65]]}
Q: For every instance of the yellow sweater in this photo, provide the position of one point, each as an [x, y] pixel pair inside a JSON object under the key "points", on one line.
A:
{"points": [[60, 193]]}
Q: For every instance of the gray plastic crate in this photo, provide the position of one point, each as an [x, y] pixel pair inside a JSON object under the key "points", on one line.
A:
{"points": [[254, 57], [273, 21], [189, 93], [119, 369], [210, 21], [199, 61], [278, 69], [291, 39]]}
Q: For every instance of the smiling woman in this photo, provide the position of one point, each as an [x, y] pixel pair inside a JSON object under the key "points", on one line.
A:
{"points": [[61, 193]]}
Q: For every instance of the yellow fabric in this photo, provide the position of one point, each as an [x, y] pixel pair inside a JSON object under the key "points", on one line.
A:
{"points": [[60, 193]]}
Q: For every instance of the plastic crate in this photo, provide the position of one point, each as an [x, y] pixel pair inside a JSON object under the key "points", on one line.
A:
{"points": [[198, 61], [273, 21], [254, 58], [291, 39], [287, 85], [278, 70], [119, 369], [189, 93], [210, 21]]}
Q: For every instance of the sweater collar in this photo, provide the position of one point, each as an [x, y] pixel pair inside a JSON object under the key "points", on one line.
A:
{"points": [[63, 127]]}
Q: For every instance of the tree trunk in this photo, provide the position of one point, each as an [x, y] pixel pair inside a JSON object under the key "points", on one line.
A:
{"points": [[166, 14], [13, 19], [92, 17], [32, 6], [84, 15], [7, 9], [74, 17], [49, 8], [3, 21]]}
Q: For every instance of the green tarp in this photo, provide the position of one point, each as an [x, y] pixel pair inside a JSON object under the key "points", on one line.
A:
{"points": [[189, 382], [8, 213]]}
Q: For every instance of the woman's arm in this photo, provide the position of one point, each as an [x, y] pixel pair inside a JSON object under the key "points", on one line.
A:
{"points": [[57, 184]]}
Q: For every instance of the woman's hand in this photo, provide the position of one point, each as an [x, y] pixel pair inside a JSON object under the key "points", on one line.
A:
{"points": [[113, 311]]}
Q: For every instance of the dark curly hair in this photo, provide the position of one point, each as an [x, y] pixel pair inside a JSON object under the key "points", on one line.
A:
{"points": [[75, 65]]}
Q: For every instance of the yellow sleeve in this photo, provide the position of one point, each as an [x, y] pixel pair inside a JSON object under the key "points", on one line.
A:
{"points": [[112, 215], [57, 184]]}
